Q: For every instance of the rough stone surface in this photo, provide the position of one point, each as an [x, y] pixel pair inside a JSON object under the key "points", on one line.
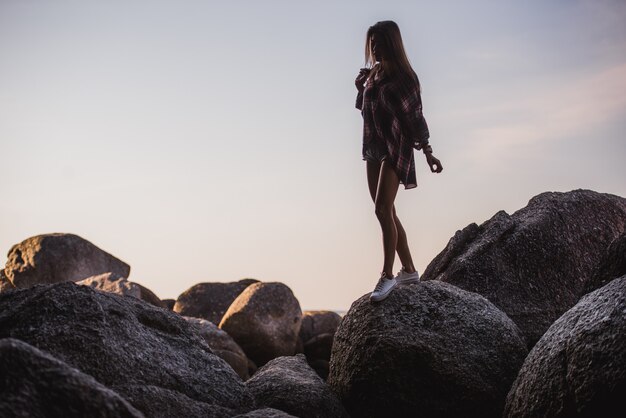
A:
{"points": [[265, 321], [612, 266], [58, 257], [428, 350], [210, 300], [121, 341], [35, 384], [169, 303], [266, 413], [289, 384], [318, 322], [223, 345], [578, 368], [535, 264], [109, 282], [5, 284]]}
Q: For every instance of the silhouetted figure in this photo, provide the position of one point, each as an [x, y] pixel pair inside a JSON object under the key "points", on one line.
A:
{"points": [[393, 125]]}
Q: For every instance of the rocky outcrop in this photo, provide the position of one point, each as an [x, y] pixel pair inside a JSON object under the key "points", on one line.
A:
{"points": [[122, 342], [266, 413], [210, 300], [5, 284], [290, 385], [535, 264], [169, 303], [612, 265], [53, 258], [316, 336], [109, 282], [265, 321], [430, 349], [578, 368], [35, 384], [223, 345]]}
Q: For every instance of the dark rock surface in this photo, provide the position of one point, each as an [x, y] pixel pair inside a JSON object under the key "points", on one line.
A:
{"points": [[210, 300], [428, 350], [318, 322], [289, 384], [316, 338], [121, 341], [578, 368], [58, 257], [612, 265], [35, 384], [223, 345], [5, 284], [109, 282], [265, 321], [169, 303], [535, 264], [266, 413]]}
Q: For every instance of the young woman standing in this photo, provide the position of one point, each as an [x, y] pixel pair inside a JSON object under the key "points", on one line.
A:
{"points": [[393, 125]]}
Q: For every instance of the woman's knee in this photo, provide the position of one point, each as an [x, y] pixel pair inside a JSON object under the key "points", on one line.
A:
{"points": [[384, 211]]}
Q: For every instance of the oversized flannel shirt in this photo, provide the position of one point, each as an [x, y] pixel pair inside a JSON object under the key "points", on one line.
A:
{"points": [[392, 113]]}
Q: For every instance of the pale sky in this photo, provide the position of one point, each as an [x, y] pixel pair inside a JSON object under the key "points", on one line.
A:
{"points": [[206, 141]]}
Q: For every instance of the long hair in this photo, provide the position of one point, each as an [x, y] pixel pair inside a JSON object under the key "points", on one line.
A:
{"points": [[396, 64]]}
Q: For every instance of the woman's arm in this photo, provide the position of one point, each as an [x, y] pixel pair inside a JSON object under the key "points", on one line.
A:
{"points": [[359, 83]]}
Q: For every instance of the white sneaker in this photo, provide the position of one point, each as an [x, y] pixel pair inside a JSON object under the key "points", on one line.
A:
{"points": [[407, 278], [383, 288]]}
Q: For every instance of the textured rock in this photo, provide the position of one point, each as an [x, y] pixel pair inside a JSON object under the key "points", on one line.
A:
{"points": [[265, 321], [266, 413], [122, 342], [612, 266], [534, 264], [5, 284], [53, 258], [109, 282], [318, 322], [169, 303], [578, 368], [210, 300], [432, 350], [289, 384], [223, 345], [35, 384]]}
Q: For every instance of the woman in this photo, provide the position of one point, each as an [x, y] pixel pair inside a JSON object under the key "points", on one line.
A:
{"points": [[393, 125]]}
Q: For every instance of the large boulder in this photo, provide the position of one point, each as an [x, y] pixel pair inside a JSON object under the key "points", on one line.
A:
{"points": [[210, 300], [428, 350], [290, 385], [223, 345], [53, 258], [612, 265], [122, 342], [578, 368], [109, 282], [35, 384], [265, 321], [535, 264]]}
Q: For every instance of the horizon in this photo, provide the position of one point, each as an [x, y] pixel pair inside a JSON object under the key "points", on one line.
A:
{"points": [[203, 142]]}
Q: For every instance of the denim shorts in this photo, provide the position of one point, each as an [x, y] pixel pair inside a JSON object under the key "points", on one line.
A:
{"points": [[375, 151]]}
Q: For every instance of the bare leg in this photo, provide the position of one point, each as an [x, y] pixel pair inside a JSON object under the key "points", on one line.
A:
{"points": [[388, 183], [373, 174]]}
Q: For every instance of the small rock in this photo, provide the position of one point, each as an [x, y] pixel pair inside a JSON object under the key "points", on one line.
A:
{"points": [[109, 282], [266, 413], [318, 322]]}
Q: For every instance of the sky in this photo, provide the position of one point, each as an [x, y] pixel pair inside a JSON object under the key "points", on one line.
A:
{"points": [[206, 141]]}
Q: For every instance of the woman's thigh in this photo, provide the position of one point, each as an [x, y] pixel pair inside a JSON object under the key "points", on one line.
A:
{"points": [[388, 185], [373, 172]]}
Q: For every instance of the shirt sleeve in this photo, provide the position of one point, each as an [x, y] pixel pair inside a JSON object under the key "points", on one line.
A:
{"points": [[406, 105], [359, 100]]}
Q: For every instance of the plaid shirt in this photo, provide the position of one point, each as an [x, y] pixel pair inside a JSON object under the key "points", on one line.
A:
{"points": [[392, 113]]}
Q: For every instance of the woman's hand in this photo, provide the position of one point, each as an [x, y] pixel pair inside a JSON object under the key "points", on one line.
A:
{"points": [[434, 163], [360, 79]]}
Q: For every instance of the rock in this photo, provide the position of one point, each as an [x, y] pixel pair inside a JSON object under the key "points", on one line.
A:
{"points": [[320, 366], [431, 349], [223, 345], [36, 384], [318, 322], [578, 368], [265, 321], [122, 342], [289, 384], [169, 303], [266, 413], [157, 402], [210, 300], [53, 258], [5, 284], [109, 282], [612, 266], [535, 264]]}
